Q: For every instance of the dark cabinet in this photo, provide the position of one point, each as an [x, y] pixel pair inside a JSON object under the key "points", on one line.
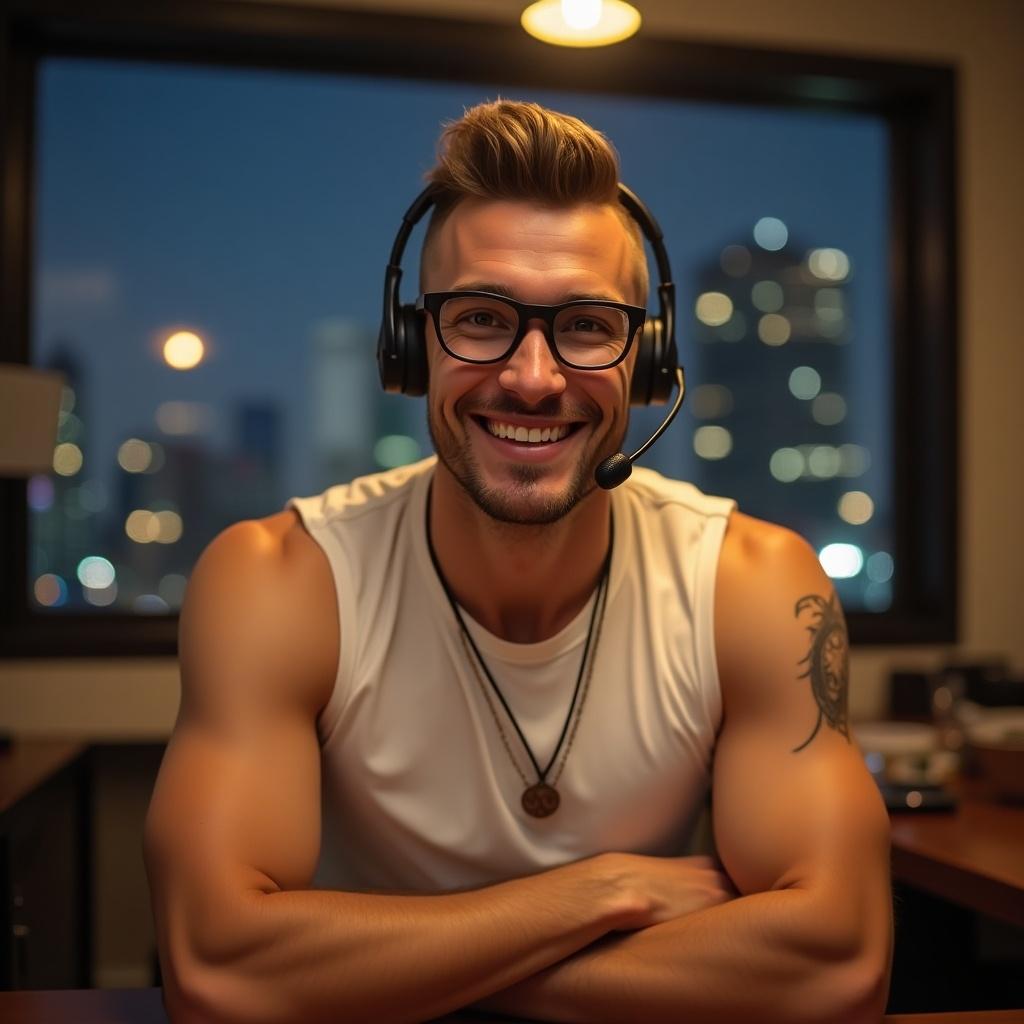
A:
{"points": [[45, 926]]}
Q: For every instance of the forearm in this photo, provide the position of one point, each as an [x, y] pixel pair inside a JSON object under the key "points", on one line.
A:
{"points": [[318, 955], [771, 956]]}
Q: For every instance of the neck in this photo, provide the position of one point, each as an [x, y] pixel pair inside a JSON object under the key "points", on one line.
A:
{"points": [[522, 583]]}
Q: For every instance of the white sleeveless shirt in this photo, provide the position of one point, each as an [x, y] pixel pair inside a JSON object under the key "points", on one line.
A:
{"points": [[419, 793]]}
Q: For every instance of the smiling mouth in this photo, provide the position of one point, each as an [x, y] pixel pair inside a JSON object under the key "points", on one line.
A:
{"points": [[527, 435]]}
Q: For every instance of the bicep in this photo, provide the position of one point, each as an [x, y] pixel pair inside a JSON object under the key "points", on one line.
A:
{"points": [[236, 806], [793, 803]]}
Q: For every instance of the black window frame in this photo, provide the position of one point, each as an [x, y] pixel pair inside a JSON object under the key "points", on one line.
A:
{"points": [[917, 101]]}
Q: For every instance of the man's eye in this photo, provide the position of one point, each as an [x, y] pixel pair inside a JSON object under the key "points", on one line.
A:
{"points": [[482, 319], [585, 325]]}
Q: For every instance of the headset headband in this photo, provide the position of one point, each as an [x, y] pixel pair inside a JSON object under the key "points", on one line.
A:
{"points": [[400, 355]]}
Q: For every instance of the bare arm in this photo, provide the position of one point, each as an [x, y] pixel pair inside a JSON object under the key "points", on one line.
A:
{"points": [[799, 825], [233, 832]]}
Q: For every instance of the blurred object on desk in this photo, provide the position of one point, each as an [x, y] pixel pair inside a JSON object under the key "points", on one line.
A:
{"points": [[908, 753], [995, 747], [909, 764]]}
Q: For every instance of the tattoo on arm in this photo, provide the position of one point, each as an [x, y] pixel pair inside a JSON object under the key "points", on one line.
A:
{"points": [[828, 662]]}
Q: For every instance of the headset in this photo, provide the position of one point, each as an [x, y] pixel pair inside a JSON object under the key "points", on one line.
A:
{"points": [[402, 346]]}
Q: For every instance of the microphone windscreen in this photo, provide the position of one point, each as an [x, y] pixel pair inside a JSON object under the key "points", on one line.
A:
{"points": [[613, 471]]}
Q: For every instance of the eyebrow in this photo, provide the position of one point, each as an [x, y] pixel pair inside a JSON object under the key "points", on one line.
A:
{"points": [[496, 288]]}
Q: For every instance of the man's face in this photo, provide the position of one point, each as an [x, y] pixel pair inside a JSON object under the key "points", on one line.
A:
{"points": [[544, 256]]}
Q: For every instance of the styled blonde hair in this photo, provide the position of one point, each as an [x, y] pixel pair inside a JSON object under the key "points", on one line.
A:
{"points": [[509, 149]]}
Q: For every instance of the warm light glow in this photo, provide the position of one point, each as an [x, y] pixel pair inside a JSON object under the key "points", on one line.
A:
{"points": [[773, 329], [581, 22], [828, 264], [183, 350], [146, 527], [141, 526], [713, 308], [581, 14], [856, 508], [134, 456], [712, 442], [67, 459]]}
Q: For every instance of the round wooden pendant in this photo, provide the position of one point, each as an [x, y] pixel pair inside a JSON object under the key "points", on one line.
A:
{"points": [[540, 800]]}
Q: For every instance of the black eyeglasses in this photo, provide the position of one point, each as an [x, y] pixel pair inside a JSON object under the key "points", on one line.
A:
{"points": [[585, 334]]}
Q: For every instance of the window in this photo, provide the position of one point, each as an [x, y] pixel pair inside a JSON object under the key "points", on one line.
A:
{"points": [[208, 253]]}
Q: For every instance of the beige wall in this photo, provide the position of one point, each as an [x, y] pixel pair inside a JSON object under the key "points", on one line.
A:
{"points": [[985, 40]]}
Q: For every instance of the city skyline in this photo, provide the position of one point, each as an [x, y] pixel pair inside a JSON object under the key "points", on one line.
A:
{"points": [[244, 218]]}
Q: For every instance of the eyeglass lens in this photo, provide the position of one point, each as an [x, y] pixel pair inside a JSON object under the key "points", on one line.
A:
{"points": [[482, 329]]}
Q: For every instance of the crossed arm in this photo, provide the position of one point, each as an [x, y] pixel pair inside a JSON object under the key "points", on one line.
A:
{"points": [[798, 824]]}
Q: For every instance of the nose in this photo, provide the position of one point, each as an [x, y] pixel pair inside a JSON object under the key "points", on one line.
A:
{"points": [[532, 371]]}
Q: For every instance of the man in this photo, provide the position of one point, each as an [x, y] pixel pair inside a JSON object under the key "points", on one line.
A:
{"points": [[507, 690]]}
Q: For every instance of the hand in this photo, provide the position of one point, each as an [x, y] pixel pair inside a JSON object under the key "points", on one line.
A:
{"points": [[658, 889]]}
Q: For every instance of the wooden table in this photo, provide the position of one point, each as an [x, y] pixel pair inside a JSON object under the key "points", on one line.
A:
{"points": [[143, 1006], [973, 856]]}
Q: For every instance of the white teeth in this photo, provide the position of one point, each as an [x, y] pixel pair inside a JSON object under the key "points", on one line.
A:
{"points": [[531, 435]]}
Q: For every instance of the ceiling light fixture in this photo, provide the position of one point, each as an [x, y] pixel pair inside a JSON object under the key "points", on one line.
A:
{"points": [[581, 22]]}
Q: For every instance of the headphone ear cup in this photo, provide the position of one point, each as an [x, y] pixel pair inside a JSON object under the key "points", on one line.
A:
{"points": [[648, 358], [412, 351]]}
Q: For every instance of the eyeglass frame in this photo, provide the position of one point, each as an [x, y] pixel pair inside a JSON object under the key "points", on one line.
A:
{"points": [[431, 302]]}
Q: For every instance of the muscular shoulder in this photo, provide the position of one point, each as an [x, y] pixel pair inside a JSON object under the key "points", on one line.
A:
{"points": [[261, 604], [772, 602]]}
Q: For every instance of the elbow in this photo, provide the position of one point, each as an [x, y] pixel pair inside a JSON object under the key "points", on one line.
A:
{"points": [[852, 986], [201, 994], [865, 992], [195, 992], [203, 983], [860, 985]]}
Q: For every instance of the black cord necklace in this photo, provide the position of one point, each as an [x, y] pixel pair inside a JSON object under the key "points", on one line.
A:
{"points": [[540, 798]]}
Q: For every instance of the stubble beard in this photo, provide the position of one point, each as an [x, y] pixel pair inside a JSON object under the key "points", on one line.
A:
{"points": [[521, 507]]}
